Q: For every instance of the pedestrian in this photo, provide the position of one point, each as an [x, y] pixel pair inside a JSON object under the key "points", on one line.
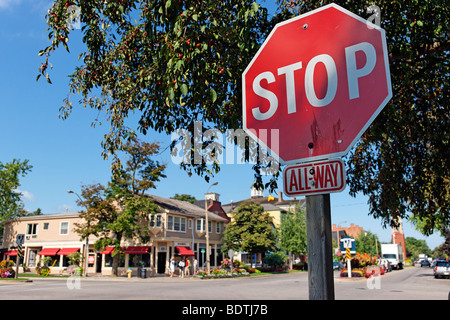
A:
{"points": [[186, 269], [194, 272], [172, 267], [181, 265]]}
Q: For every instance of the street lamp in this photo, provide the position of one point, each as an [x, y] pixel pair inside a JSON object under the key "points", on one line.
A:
{"points": [[87, 241], [208, 266]]}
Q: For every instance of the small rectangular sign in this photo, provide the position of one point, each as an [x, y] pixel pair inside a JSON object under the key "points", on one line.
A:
{"points": [[317, 177], [348, 244]]}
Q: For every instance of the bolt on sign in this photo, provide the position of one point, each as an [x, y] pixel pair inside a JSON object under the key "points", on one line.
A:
{"points": [[314, 178]]}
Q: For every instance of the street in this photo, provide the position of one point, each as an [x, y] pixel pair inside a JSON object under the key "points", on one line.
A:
{"points": [[413, 283]]}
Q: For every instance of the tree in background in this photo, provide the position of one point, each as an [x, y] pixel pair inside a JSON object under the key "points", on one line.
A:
{"points": [[141, 172], [415, 247], [251, 230], [177, 62], [11, 204], [368, 242], [443, 251], [184, 197], [293, 232], [121, 210]]}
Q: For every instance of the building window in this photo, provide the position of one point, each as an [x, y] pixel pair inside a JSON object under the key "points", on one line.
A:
{"points": [[218, 227], [45, 226], [64, 228], [155, 221], [190, 223], [201, 226], [32, 230], [175, 223]]}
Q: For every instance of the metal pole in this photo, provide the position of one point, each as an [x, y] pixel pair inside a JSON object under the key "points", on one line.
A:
{"points": [[320, 259], [208, 265]]}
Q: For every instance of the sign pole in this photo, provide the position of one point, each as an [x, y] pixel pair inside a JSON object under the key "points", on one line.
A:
{"points": [[319, 242]]}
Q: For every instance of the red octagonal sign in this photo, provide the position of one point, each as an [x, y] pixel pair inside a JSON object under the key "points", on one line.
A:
{"points": [[316, 84]]}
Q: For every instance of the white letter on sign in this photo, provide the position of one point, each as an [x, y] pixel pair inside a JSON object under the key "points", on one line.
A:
{"points": [[332, 80], [290, 86], [352, 73], [269, 95]]}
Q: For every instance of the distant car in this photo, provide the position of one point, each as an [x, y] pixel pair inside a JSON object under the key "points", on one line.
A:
{"points": [[442, 269], [338, 265], [425, 263]]}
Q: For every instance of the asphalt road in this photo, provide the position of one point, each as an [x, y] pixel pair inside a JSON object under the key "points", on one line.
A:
{"points": [[413, 283]]}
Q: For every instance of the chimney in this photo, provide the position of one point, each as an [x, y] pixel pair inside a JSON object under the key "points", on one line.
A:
{"points": [[280, 196]]}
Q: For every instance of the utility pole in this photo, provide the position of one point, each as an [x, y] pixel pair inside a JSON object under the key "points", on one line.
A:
{"points": [[320, 259]]}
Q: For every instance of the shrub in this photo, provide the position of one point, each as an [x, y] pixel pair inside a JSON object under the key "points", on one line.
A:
{"points": [[356, 273], [276, 260], [43, 271]]}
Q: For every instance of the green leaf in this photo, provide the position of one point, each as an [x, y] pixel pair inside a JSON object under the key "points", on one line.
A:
{"points": [[184, 89], [195, 17], [213, 94]]}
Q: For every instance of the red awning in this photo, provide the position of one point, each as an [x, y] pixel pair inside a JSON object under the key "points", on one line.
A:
{"points": [[137, 250], [108, 250], [67, 251], [185, 251], [49, 252], [11, 253]]}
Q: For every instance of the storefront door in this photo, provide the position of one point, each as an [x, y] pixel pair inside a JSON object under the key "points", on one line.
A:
{"points": [[162, 262]]}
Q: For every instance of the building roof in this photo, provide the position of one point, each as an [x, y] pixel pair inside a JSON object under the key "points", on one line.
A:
{"points": [[46, 216], [171, 205], [274, 205], [182, 207]]}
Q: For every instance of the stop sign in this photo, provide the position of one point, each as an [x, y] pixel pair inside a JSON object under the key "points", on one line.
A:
{"points": [[317, 82]]}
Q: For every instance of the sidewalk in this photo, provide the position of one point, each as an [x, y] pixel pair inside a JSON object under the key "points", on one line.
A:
{"points": [[98, 277]]}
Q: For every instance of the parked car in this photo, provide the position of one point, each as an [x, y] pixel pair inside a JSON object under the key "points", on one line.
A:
{"points": [[442, 269], [425, 263], [338, 265]]}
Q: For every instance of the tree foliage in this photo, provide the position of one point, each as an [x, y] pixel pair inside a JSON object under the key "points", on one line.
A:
{"points": [[177, 62], [11, 204], [414, 247], [367, 242], [121, 211], [293, 232], [250, 230], [184, 197], [171, 62], [402, 161]]}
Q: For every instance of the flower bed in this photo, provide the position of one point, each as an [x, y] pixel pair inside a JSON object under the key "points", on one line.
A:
{"points": [[221, 273], [6, 269], [364, 272]]}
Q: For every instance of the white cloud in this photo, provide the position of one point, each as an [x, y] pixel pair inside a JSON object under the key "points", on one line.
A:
{"points": [[6, 4], [25, 194]]}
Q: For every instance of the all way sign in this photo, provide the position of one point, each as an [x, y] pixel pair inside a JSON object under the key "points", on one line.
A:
{"points": [[314, 178]]}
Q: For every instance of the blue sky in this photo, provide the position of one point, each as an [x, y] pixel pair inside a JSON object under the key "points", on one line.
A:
{"points": [[66, 154]]}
